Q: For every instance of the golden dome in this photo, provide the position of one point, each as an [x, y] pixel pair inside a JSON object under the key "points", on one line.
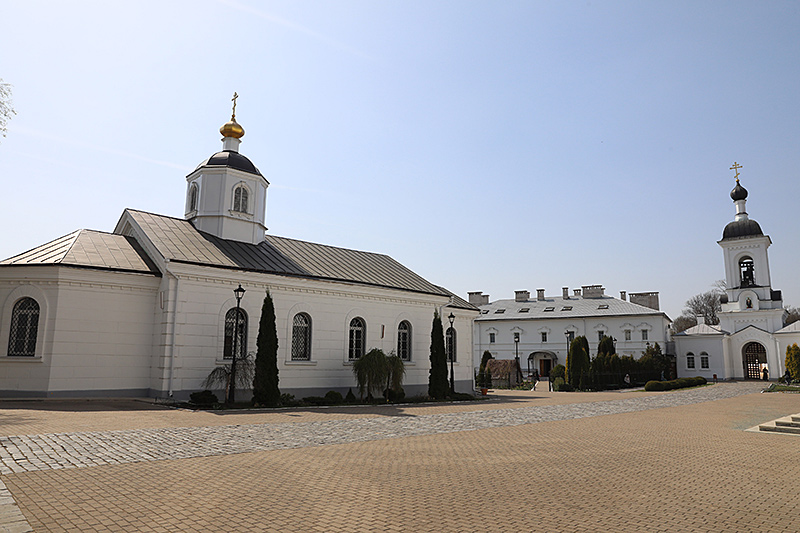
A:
{"points": [[232, 129]]}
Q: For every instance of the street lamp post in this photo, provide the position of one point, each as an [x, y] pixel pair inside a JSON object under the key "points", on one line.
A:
{"points": [[516, 352], [238, 292], [452, 354]]}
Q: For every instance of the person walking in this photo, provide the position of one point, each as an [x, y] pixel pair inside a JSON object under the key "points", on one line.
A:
{"points": [[535, 379]]}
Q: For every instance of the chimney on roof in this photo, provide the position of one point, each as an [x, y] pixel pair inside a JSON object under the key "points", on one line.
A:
{"points": [[565, 293], [576, 292], [478, 298], [646, 299], [522, 296], [622, 295], [540, 294], [700, 319], [593, 291]]}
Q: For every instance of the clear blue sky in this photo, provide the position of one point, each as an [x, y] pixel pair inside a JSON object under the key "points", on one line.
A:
{"points": [[492, 145]]}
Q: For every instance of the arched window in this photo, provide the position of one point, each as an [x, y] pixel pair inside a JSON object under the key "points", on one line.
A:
{"points": [[747, 272], [240, 339], [240, 199], [358, 330], [450, 344], [24, 328], [690, 360], [703, 360], [404, 340], [193, 197], [301, 337]]}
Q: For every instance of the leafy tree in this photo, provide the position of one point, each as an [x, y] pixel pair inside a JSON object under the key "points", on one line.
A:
{"points": [[6, 107], [793, 315], [654, 363], [396, 370], [220, 377], [706, 305], [438, 386], [371, 371], [606, 346], [684, 322], [578, 363], [265, 380], [792, 360]]}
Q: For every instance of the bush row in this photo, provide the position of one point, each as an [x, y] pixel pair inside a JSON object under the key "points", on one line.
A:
{"points": [[680, 383]]}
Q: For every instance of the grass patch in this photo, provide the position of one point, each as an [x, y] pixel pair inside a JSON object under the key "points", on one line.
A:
{"points": [[775, 387]]}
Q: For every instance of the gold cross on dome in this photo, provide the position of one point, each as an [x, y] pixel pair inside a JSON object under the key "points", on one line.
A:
{"points": [[736, 166], [235, 96]]}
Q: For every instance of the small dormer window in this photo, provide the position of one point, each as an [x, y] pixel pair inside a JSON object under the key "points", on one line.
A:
{"points": [[240, 196], [500, 311], [193, 197]]}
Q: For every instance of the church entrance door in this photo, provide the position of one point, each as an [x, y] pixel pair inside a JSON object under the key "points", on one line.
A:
{"points": [[544, 368], [754, 358]]}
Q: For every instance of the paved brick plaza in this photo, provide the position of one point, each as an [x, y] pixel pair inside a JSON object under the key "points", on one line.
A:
{"points": [[631, 461]]}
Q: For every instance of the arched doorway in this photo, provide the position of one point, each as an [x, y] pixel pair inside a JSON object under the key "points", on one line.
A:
{"points": [[543, 362], [754, 357]]}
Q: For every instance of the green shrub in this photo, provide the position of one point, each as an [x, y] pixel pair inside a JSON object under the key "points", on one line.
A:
{"points": [[654, 386], [559, 385], [334, 397], [315, 400], [350, 397], [558, 371], [395, 395], [287, 400], [205, 397]]}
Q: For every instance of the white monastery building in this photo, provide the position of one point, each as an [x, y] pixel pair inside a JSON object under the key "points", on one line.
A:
{"points": [[539, 329], [750, 336], [149, 310]]}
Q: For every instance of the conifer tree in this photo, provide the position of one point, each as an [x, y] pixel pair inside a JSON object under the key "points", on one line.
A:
{"points": [[437, 379], [265, 382], [578, 363], [792, 360]]}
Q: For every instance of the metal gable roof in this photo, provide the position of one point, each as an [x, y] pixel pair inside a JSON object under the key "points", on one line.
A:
{"points": [[573, 307], [179, 241], [89, 249]]}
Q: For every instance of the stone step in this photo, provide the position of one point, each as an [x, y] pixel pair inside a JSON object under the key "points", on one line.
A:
{"points": [[780, 429], [788, 423]]}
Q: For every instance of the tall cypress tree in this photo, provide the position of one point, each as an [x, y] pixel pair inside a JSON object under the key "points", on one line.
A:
{"points": [[437, 380], [265, 382], [578, 363]]}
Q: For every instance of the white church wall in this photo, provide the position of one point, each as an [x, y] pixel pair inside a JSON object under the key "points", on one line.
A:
{"points": [[696, 347], [96, 333], [205, 298]]}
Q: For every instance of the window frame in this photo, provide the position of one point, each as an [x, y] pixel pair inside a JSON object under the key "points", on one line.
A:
{"points": [[299, 335], [230, 324], [241, 203], [451, 344], [30, 332], [404, 337], [357, 336], [690, 362], [704, 361]]}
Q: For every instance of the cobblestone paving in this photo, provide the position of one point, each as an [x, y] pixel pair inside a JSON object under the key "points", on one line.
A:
{"points": [[29, 453]]}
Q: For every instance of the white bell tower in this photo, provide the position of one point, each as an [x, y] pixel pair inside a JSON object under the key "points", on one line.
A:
{"points": [[226, 195], [749, 298]]}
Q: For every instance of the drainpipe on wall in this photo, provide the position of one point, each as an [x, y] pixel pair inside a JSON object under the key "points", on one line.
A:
{"points": [[172, 333]]}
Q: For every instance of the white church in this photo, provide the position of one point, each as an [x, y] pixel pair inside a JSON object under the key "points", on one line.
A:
{"points": [[750, 337], [150, 309]]}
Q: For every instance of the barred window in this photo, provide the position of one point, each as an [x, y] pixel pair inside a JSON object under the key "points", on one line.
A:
{"points": [[241, 338], [690, 360], [404, 340], [24, 328], [240, 199], [301, 337], [703, 360], [644, 335], [450, 344], [358, 330]]}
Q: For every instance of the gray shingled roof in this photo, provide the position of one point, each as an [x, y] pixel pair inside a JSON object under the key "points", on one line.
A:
{"points": [[580, 307], [88, 249], [179, 241]]}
